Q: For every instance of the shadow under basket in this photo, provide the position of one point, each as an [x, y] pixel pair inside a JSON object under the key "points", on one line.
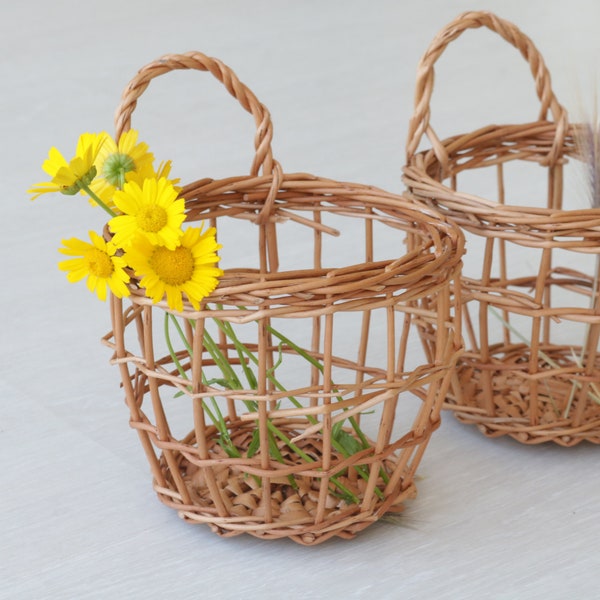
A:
{"points": [[299, 400], [531, 320]]}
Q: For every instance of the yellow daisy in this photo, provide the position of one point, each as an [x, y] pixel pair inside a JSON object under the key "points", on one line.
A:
{"points": [[96, 261], [164, 170], [117, 163], [190, 268], [70, 177], [152, 209]]}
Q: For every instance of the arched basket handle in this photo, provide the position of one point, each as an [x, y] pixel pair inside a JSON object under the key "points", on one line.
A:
{"points": [[419, 123], [263, 158]]}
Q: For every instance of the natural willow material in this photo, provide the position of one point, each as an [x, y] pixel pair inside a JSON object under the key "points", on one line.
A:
{"points": [[524, 374], [277, 467]]}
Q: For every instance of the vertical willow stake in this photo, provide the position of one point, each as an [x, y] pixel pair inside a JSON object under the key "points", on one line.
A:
{"points": [[587, 141]]}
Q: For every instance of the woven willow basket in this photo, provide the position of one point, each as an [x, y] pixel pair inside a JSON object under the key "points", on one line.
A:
{"points": [[336, 332], [532, 317]]}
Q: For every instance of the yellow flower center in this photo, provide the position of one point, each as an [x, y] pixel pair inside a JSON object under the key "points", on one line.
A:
{"points": [[152, 218], [173, 267], [99, 263]]}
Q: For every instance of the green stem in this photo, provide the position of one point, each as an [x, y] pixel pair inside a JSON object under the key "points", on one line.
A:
{"points": [[232, 381], [229, 332], [86, 188], [219, 420], [319, 366]]}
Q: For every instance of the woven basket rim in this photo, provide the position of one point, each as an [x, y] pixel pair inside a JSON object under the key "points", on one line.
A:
{"points": [[490, 214], [438, 242]]}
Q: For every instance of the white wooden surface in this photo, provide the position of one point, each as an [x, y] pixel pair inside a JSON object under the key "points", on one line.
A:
{"points": [[78, 518]]}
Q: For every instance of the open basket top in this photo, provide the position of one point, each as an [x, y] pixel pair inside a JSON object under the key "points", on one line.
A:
{"points": [[548, 141], [268, 198]]}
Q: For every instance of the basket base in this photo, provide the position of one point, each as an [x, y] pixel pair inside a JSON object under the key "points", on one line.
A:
{"points": [[231, 501], [497, 398]]}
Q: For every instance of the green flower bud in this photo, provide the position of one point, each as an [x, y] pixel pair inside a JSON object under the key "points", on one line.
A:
{"points": [[83, 181], [115, 167]]}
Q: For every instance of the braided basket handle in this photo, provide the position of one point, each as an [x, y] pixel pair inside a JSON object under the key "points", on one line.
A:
{"points": [[419, 122], [195, 60]]}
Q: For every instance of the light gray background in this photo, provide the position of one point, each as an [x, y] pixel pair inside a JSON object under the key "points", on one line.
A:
{"points": [[78, 518]]}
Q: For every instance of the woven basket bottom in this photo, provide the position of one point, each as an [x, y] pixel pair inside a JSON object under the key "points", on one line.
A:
{"points": [[293, 509], [511, 386]]}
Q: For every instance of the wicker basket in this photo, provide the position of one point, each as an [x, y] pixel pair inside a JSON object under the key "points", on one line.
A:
{"points": [[337, 334], [532, 317]]}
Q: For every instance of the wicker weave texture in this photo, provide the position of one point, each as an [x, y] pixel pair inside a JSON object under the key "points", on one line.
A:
{"points": [[329, 340], [532, 317]]}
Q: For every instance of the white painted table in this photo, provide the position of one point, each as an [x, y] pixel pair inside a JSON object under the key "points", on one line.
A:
{"points": [[78, 518]]}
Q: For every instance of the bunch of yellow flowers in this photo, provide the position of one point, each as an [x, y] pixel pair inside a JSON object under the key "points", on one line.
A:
{"points": [[147, 214]]}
